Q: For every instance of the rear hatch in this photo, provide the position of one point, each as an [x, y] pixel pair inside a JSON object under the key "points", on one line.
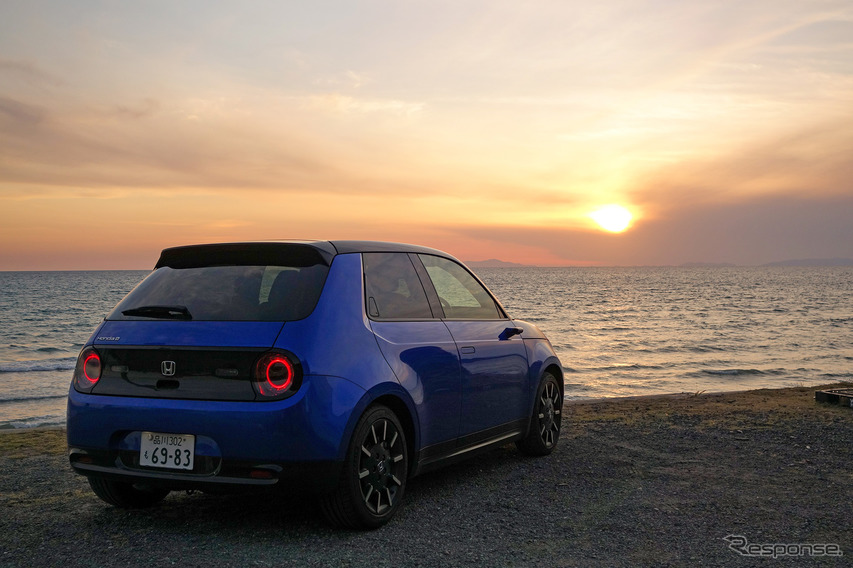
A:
{"points": [[196, 326]]}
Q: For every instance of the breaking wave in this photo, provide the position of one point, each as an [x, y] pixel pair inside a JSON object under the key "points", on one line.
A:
{"points": [[64, 364]]}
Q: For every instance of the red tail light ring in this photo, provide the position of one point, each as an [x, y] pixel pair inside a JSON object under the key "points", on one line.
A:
{"points": [[88, 371], [279, 374], [92, 368], [276, 375]]}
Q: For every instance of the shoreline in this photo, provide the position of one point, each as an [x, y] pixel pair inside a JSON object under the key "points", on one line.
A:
{"points": [[582, 401]]}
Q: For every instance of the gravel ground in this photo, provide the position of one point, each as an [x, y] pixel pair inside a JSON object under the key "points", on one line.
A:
{"points": [[634, 482]]}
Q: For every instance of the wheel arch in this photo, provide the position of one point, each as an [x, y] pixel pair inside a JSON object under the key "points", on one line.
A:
{"points": [[394, 397], [399, 408], [549, 365], [557, 370]]}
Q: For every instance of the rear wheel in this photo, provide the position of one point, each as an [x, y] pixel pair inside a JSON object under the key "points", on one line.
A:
{"points": [[374, 475], [544, 432], [126, 495]]}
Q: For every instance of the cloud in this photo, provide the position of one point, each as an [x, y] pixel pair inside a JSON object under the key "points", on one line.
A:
{"points": [[143, 109], [147, 144], [811, 160], [28, 72], [16, 114], [335, 102]]}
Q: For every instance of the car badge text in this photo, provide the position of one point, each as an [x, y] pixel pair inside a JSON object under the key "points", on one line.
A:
{"points": [[167, 368]]}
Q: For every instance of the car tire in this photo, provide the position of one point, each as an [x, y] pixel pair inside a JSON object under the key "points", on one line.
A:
{"points": [[374, 475], [544, 431], [126, 495]]}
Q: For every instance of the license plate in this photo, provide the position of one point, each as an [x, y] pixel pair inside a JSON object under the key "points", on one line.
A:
{"points": [[171, 451]]}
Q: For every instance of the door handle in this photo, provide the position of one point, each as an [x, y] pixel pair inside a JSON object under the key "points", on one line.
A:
{"points": [[467, 350], [510, 332]]}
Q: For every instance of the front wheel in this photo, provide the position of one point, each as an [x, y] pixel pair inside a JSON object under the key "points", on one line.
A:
{"points": [[126, 495], [544, 430], [374, 473]]}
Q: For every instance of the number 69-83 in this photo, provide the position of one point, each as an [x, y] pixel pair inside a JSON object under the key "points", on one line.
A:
{"points": [[178, 457]]}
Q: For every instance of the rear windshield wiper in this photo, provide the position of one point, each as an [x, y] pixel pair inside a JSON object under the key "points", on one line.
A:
{"points": [[160, 312]]}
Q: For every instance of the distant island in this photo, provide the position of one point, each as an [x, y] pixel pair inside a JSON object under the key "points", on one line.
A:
{"points": [[814, 262], [496, 263], [493, 263], [792, 262]]}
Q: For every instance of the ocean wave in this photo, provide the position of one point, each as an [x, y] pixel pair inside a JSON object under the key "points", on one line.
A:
{"points": [[737, 372], [706, 348], [31, 398], [32, 422], [836, 375], [632, 367], [64, 364]]}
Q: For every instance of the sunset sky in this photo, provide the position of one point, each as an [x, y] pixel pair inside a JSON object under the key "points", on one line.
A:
{"points": [[485, 128]]}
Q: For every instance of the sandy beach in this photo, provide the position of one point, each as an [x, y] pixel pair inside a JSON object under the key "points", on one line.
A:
{"points": [[652, 481]]}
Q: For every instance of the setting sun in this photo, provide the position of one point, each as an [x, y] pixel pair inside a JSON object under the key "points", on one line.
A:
{"points": [[613, 218]]}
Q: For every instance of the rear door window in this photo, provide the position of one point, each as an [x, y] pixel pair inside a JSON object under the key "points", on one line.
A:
{"points": [[392, 288]]}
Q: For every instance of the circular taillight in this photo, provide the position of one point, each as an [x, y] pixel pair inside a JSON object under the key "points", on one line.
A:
{"points": [[277, 375], [88, 370], [92, 368]]}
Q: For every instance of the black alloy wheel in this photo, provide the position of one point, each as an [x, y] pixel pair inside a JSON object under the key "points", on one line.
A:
{"points": [[544, 432], [374, 475]]}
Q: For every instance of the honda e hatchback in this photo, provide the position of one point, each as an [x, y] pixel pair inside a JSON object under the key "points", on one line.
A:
{"points": [[345, 366]]}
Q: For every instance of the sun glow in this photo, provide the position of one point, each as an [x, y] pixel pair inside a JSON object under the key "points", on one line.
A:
{"points": [[612, 218]]}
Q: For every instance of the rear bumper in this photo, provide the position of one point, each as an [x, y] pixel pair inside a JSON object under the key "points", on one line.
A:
{"points": [[229, 476], [238, 444]]}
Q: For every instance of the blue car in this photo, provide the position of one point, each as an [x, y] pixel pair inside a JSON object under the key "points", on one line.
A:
{"points": [[346, 367]]}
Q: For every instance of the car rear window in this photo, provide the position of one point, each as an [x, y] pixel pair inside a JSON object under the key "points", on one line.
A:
{"points": [[225, 293]]}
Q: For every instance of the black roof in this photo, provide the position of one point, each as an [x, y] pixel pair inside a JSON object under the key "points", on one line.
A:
{"points": [[344, 247], [299, 252]]}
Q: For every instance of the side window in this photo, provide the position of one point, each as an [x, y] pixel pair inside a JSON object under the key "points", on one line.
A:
{"points": [[393, 288], [462, 297]]}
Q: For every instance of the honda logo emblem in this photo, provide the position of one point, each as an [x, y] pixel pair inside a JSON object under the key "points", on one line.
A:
{"points": [[168, 368]]}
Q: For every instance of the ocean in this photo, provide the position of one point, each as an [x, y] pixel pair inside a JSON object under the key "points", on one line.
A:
{"points": [[618, 331]]}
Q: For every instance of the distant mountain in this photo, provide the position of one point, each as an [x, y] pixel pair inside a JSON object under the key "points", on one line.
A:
{"points": [[706, 264], [492, 263], [814, 262]]}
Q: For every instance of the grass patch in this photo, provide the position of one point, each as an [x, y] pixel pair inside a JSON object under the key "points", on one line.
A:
{"points": [[723, 410], [26, 443]]}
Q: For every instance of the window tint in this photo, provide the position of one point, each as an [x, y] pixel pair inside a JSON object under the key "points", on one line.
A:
{"points": [[230, 293], [462, 297], [393, 288]]}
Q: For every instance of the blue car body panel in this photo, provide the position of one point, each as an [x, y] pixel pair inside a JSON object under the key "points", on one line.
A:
{"points": [[336, 338], [495, 378], [425, 361], [304, 427], [188, 333]]}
